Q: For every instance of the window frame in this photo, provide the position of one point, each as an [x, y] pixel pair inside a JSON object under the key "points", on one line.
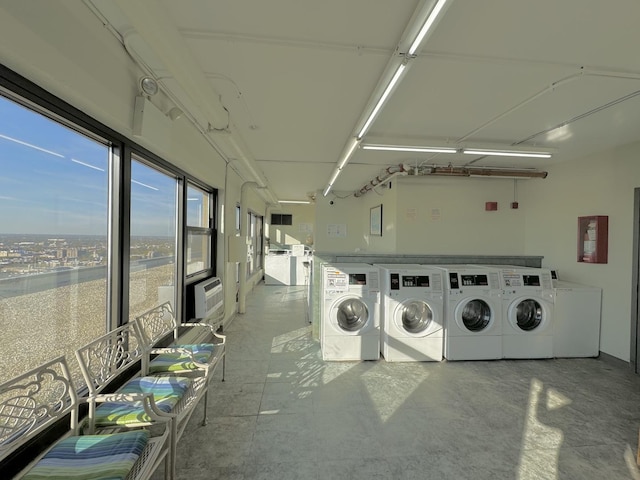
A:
{"points": [[17, 88]]}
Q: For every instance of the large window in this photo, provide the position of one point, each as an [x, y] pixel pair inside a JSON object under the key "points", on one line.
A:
{"points": [[70, 192], [199, 231], [53, 238], [152, 268]]}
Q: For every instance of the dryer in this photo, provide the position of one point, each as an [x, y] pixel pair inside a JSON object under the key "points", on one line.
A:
{"points": [[350, 328], [576, 320], [528, 305], [473, 313], [412, 313]]}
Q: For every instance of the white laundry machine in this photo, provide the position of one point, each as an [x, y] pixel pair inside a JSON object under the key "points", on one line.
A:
{"points": [[473, 313], [350, 328], [412, 313], [528, 311], [576, 320]]}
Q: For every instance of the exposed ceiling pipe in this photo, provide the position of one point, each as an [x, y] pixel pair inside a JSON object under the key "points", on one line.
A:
{"points": [[156, 46], [476, 172], [450, 171], [388, 175]]}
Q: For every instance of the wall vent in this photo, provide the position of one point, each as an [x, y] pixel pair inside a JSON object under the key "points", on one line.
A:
{"points": [[209, 298]]}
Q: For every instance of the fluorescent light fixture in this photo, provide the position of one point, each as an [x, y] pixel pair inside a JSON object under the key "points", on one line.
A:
{"points": [[426, 26], [401, 148], [350, 149], [505, 153], [336, 172], [326, 191], [302, 202], [383, 98]]}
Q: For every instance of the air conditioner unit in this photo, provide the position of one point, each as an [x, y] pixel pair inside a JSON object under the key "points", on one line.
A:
{"points": [[209, 298]]}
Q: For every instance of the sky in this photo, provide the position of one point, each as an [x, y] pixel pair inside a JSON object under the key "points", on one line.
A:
{"points": [[54, 180]]}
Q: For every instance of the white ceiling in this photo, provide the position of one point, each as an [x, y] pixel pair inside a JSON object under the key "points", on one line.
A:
{"points": [[296, 76]]}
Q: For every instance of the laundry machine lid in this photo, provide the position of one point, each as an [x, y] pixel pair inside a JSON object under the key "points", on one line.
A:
{"points": [[351, 314], [529, 314], [475, 315]]}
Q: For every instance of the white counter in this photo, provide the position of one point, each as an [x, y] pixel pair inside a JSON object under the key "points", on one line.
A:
{"points": [[286, 270]]}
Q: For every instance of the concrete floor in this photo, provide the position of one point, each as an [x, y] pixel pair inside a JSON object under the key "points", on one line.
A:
{"points": [[283, 413]]}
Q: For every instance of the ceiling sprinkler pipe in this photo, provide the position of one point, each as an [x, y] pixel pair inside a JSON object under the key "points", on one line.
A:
{"points": [[392, 172], [478, 172]]}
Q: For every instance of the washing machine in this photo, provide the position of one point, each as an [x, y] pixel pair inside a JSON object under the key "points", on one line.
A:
{"points": [[350, 326], [473, 313], [528, 312], [576, 320], [412, 313]]}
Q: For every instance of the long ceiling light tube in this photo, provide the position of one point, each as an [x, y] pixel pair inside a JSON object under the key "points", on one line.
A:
{"points": [[336, 172], [387, 91], [505, 153], [416, 149], [426, 27], [351, 147]]}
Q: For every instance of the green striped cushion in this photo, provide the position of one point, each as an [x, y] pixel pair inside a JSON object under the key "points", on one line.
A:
{"points": [[179, 362], [91, 457], [167, 391]]}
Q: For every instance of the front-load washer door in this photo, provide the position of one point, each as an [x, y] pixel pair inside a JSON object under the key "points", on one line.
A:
{"points": [[475, 316], [528, 315], [350, 315], [415, 318]]}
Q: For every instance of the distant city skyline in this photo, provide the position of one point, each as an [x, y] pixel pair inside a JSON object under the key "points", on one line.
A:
{"points": [[54, 181]]}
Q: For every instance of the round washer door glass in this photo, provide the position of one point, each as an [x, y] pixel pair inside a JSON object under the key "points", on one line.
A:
{"points": [[529, 314], [416, 316], [352, 314], [476, 315]]}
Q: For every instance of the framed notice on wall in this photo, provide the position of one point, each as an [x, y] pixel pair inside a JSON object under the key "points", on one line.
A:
{"points": [[375, 221]]}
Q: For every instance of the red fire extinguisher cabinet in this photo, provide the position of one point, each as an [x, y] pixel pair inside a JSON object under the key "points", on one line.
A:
{"points": [[593, 235]]}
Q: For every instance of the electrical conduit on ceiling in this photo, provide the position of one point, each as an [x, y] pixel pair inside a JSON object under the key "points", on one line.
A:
{"points": [[550, 88], [153, 33]]}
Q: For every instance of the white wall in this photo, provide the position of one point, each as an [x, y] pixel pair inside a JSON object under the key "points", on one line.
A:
{"points": [[602, 184], [301, 231], [428, 215], [351, 216], [438, 215]]}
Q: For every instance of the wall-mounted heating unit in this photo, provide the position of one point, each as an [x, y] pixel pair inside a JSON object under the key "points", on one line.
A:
{"points": [[209, 299]]}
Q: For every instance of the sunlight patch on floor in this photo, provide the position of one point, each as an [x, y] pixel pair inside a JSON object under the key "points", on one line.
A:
{"points": [[387, 392], [540, 443], [630, 460], [293, 341]]}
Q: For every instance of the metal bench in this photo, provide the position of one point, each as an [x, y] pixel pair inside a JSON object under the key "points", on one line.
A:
{"points": [[116, 359], [33, 404], [194, 360]]}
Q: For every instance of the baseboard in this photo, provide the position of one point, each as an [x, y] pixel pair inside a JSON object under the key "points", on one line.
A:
{"points": [[614, 361]]}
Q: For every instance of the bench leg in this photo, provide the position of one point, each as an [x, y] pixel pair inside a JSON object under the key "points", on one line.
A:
{"points": [[224, 363], [167, 466], [173, 447], [205, 420]]}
